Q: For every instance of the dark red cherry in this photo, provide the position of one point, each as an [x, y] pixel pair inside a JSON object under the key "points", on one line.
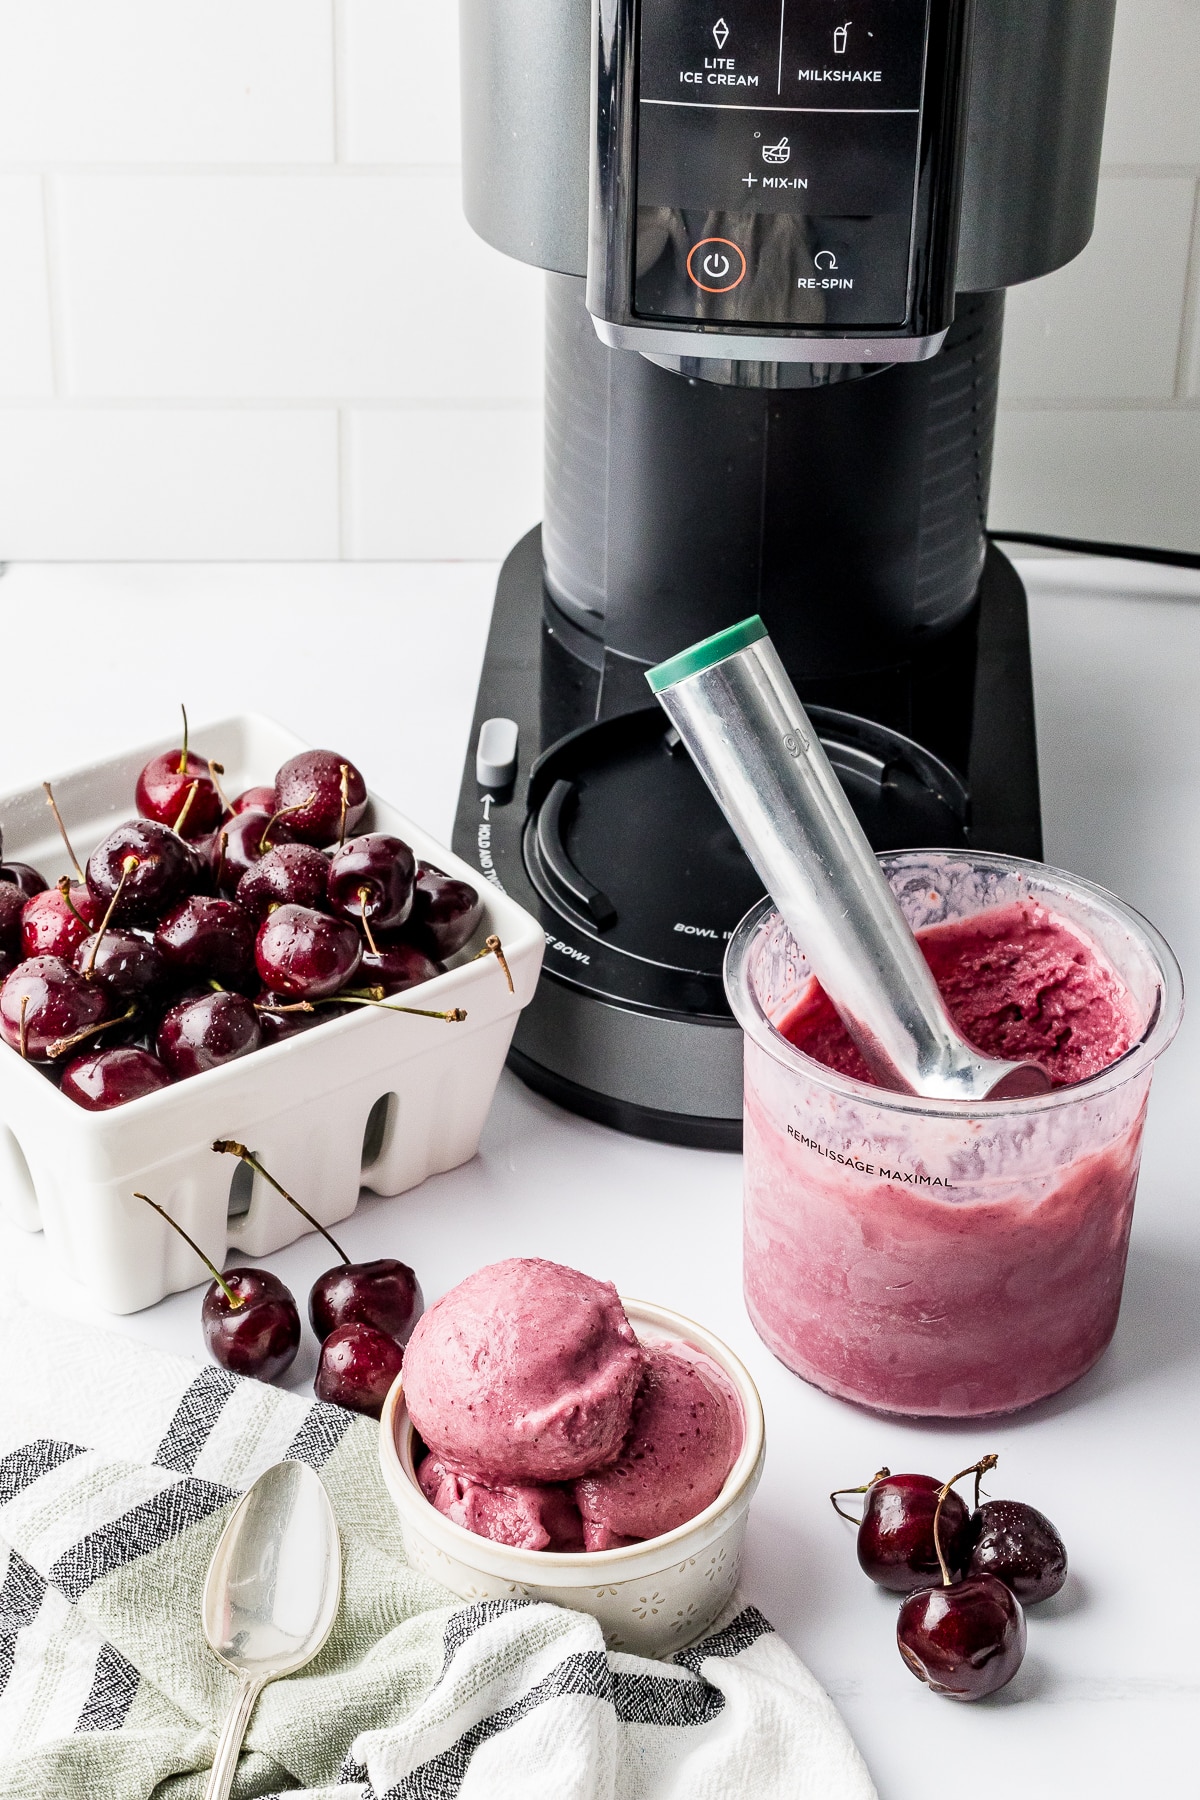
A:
{"points": [[12, 906], [51, 927], [206, 1031], [284, 1023], [357, 1367], [1020, 1546], [289, 875], [105, 1078], [23, 876], [384, 1293], [261, 1334], [895, 1539], [445, 914], [206, 936], [44, 1002], [306, 954], [371, 878], [241, 842], [261, 799], [964, 1641], [397, 966], [166, 872], [164, 787], [124, 962], [309, 787]]}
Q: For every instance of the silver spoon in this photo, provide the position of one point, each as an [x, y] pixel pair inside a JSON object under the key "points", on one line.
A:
{"points": [[733, 704], [271, 1595]]}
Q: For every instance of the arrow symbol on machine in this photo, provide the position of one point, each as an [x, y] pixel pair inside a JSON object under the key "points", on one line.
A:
{"points": [[487, 806]]}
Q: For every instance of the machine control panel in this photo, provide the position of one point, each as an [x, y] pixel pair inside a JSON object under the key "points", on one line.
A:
{"points": [[791, 166]]}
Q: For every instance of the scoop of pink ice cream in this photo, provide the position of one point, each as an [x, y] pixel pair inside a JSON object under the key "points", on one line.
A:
{"points": [[683, 1440], [526, 1371], [537, 1516]]}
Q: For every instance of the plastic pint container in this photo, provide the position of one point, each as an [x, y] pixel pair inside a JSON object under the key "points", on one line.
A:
{"points": [[939, 1258]]}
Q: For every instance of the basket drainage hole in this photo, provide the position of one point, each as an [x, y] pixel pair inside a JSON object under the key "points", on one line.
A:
{"points": [[378, 1129], [241, 1191]]}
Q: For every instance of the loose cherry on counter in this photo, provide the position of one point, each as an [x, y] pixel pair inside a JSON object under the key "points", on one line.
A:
{"points": [[250, 1322], [371, 879], [104, 1078], [445, 912], [384, 1294], [165, 871], [45, 1006], [1020, 1546], [179, 789], [964, 1639], [289, 875], [896, 1545], [357, 1367], [321, 795], [306, 954], [205, 1031]]}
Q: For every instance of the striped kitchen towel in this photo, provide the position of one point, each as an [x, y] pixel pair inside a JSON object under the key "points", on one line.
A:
{"points": [[118, 1469]]}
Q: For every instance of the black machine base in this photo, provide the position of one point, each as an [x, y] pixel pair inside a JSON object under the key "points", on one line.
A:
{"points": [[609, 837]]}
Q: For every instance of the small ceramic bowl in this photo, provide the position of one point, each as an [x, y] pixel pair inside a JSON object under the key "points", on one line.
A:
{"points": [[651, 1598]]}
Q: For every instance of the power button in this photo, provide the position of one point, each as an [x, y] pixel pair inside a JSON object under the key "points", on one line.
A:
{"points": [[716, 265]]}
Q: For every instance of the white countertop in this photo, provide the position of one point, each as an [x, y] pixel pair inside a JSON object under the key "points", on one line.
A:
{"points": [[381, 660]]}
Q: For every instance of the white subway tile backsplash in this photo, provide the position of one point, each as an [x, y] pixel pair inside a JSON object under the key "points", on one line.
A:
{"points": [[26, 367], [1153, 114], [212, 81], [1119, 476], [107, 484], [300, 286], [400, 81], [424, 484], [1108, 325]]}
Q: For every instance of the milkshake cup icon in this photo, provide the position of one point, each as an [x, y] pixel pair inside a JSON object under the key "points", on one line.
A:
{"points": [[841, 38]]}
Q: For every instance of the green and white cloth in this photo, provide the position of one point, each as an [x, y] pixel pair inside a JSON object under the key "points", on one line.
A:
{"points": [[118, 1470]]}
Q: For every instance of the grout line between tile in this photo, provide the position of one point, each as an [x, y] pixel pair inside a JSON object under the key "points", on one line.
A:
{"points": [[102, 171], [53, 285], [343, 484], [1101, 405], [1187, 376], [282, 403]]}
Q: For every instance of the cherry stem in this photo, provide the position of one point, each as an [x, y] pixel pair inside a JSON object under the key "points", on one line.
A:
{"points": [[64, 888], [229, 1147], [215, 770], [186, 808], [345, 803], [234, 1300], [127, 867], [24, 1029], [976, 1469], [879, 1475], [52, 803], [455, 1016], [80, 1037], [493, 947], [295, 1006], [222, 841], [183, 758], [364, 894], [264, 842]]}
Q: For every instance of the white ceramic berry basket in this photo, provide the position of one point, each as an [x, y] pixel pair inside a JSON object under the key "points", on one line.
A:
{"points": [[377, 1100], [651, 1598]]}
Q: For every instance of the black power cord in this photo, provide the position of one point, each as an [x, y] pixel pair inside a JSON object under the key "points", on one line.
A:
{"points": [[1175, 559]]}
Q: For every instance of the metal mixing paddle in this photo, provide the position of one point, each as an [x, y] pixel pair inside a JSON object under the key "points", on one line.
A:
{"points": [[733, 705]]}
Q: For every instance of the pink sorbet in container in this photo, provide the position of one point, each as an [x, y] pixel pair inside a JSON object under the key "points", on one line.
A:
{"points": [[932, 1257]]}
